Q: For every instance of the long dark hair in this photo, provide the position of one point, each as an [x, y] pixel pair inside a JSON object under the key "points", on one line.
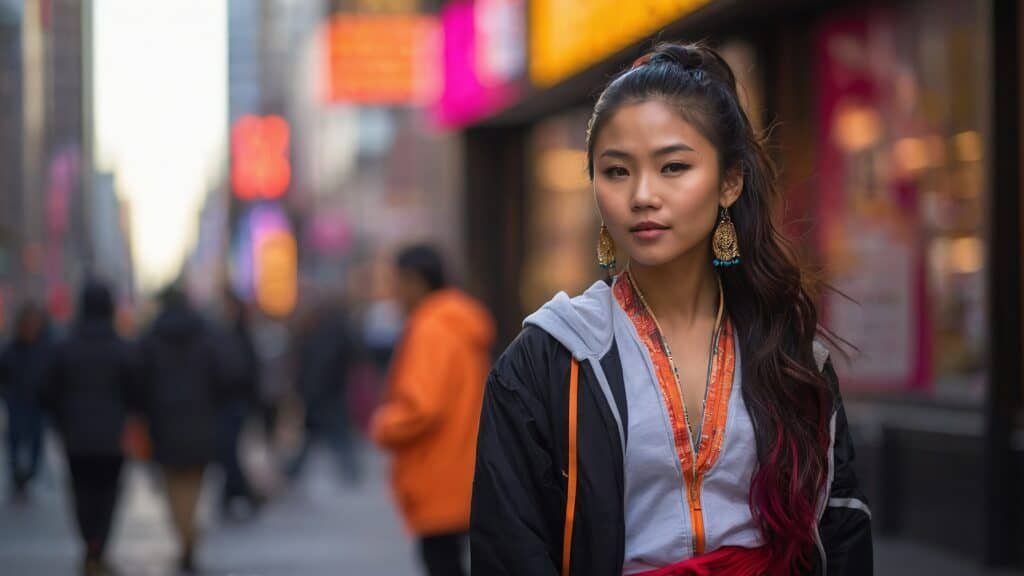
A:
{"points": [[767, 296]]}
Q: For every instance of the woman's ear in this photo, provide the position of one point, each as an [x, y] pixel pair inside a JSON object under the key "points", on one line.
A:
{"points": [[732, 188]]}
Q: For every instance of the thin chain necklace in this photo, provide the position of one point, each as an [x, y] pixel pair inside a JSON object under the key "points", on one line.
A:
{"points": [[694, 446]]}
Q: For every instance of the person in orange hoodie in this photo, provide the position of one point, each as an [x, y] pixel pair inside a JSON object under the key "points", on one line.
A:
{"points": [[429, 418]]}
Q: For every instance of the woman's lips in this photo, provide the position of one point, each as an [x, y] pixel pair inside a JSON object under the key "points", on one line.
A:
{"points": [[649, 234], [648, 230]]}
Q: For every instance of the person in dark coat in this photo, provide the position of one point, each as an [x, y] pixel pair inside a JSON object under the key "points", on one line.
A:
{"points": [[185, 383], [326, 350], [242, 395], [89, 392], [22, 369]]}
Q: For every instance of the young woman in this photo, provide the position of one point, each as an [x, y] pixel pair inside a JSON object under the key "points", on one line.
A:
{"points": [[678, 419]]}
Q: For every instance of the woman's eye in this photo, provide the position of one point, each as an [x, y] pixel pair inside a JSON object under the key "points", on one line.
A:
{"points": [[675, 168], [616, 172]]}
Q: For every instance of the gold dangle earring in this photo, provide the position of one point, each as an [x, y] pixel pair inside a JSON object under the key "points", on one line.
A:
{"points": [[725, 244], [606, 251]]}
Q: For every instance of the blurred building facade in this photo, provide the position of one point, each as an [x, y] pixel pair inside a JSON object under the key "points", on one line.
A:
{"points": [[365, 171], [10, 153], [897, 129], [53, 232]]}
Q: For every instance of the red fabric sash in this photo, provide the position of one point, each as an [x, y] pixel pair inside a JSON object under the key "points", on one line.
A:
{"points": [[726, 561]]}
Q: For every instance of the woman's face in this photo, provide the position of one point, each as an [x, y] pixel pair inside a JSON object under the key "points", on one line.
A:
{"points": [[658, 184]]}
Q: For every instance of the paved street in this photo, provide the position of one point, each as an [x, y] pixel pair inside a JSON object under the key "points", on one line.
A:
{"points": [[317, 528]]}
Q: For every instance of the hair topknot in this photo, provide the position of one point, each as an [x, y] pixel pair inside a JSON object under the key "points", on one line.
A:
{"points": [[702, 62]]}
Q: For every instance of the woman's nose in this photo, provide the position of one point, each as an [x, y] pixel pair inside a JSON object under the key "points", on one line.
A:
{"points": [[644, 197]]}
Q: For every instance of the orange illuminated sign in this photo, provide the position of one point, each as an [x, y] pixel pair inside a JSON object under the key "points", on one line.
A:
{"points": [[276, 267], [260, 168], [568, 36], [382, 59]]}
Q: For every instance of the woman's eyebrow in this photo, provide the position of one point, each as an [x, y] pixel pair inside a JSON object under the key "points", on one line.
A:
{"points": [[663, 151], [615, 153], [672, 149]]}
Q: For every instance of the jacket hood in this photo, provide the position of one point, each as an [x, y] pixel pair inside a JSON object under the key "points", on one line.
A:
{"points": [[582, 324], [459, 313]]}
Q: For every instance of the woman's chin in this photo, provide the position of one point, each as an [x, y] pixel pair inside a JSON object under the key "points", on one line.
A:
{"points": [[649, 260], [658, 258]]}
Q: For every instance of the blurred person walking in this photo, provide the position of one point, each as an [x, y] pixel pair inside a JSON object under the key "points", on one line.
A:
{"points": [[89, 392], [23, 365], [273, 342], [242, 394], [185, 383], [429, 417], [326, 351], [382, 325]]}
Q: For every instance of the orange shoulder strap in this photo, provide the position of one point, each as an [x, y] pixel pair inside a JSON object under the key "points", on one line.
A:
{"points": [[570, 501]]}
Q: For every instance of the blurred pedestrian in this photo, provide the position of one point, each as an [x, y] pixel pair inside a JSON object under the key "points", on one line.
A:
{"points": [[272, 341], [185, 382], [429, 417], [241, 396], [23, 365], [326, 351], [681, 417], [382, 325], [89, 393]]}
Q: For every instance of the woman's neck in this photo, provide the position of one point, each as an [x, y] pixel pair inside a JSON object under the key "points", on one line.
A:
{"points": [[681, 292]]}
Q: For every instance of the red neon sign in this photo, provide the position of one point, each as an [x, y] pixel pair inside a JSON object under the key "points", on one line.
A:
{"points": [[259, 157]]}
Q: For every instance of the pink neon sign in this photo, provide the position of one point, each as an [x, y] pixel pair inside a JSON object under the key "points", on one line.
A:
{"points": [[479, 60]]}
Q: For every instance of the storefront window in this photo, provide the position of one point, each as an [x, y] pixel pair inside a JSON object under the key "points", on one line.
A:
{"points": [[742, 58], [902, 103], [562, 219]]}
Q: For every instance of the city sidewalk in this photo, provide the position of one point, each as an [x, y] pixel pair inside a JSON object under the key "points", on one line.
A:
{"points": [[318, 528]]}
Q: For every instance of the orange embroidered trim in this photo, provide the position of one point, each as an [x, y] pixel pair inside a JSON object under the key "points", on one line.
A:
{"points": [[716, 406]]}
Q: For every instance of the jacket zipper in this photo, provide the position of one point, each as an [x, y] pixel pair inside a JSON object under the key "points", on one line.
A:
{"points": [[693, 486], [697, 480], [697, 515]]}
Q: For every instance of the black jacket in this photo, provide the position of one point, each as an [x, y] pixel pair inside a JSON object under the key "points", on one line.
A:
{"points": [[519, 491], [23, 367], [325, 357], [92, 385], [23, 370], [185, 381], [240, 362]]}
